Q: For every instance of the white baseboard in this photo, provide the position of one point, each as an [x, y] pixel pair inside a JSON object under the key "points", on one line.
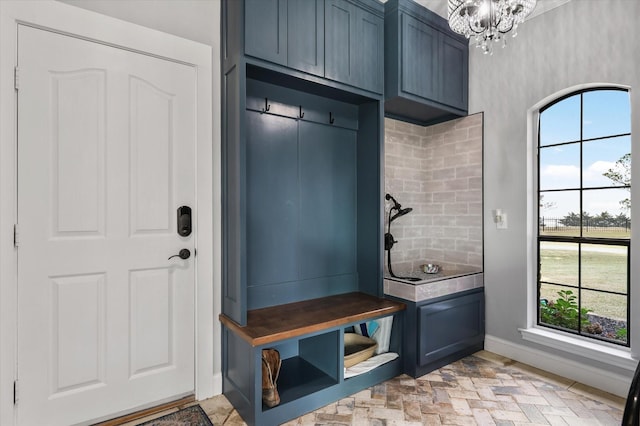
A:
{"points": [[588, 375], [217, 383], [212, 388]]}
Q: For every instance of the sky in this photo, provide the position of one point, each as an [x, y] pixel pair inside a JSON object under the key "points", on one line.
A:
{"points": [[605, 113]]}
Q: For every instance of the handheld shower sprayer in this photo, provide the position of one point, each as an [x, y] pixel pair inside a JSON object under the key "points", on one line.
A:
{"points": [[389, 241], [398, 207]]}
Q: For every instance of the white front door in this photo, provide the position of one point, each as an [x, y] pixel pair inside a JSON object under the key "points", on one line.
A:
{"points": [[106, 156]]}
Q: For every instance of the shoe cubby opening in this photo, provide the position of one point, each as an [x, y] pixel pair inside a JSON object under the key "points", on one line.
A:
{"points": [[309, 365]]}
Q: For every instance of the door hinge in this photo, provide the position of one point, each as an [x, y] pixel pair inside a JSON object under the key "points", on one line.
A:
{"points": [[16, 235], [15, 392], [16, 78]]}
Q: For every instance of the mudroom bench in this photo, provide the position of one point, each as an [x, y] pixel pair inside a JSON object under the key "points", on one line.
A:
{"points": [[310, 338]]}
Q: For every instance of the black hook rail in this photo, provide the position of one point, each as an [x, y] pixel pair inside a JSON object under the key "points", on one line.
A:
{"points": [[267, 108]]}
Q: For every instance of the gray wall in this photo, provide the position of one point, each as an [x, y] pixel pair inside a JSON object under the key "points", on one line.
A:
{"points": [[581, 42], [191, 19]]}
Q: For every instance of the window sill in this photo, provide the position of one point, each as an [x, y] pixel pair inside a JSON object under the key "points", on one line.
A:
{"points": [[602, 352]]}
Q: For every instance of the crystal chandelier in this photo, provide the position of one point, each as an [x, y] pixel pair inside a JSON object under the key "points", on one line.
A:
{"points": [[488, 20]]}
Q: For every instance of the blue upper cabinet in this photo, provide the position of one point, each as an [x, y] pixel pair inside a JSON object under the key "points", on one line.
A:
{"points": [[420, 66], [454, 54], [426, 65], [286, 32], [266, 30], [341, 40], [369, 47], [354, 45], [305, 37], [341, 57]]}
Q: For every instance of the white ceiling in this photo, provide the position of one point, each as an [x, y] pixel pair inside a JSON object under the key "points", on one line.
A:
{"points": [[440, 6]]}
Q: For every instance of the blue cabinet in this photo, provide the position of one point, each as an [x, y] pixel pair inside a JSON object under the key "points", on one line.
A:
{"points": [[442, 330], [419, 65], [426, 65], [354, 45], [305, 36], [449, 327], [341, 57], [454, 59], [340, 40], [266, 30], [286, 32], [302, 217]]}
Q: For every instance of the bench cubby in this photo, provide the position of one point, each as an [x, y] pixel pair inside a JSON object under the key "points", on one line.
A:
{"points": [[311, 346]]}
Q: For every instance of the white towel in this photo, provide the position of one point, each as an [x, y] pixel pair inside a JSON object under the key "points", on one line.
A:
{"points": [[369, 364]]}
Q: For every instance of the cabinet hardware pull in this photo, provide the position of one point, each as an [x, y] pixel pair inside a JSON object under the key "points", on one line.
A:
{"points": [[267, 107], [301, 114], [331, 118]]}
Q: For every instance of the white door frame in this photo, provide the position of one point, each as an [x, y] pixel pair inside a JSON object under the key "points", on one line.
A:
{"points": [[59, 17]]}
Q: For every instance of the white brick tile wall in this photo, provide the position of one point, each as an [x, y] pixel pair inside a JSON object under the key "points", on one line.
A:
{"points": [[436, 170]]}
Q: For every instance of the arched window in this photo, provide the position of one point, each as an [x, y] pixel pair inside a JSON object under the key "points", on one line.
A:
{"points": [[584, 209]]}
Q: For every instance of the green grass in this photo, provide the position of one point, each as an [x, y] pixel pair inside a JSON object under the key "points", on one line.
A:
{"points": [[602, 271]]}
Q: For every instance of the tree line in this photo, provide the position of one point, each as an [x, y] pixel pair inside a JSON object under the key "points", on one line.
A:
{"points": [[604, 219]]}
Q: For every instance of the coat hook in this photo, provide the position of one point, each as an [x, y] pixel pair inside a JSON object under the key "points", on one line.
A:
{"points": [[331, 118], [267, 107], [301, 114]]}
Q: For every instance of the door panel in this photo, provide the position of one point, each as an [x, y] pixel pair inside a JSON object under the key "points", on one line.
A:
{"points": [[77, 168], [340, 23], [449, 326], [151, 340], [266, 30], [370, 48], [327, 166], [151, 137], [106, 154], [354, 46], [455, 66], [419, 58], [77, 308], [272, 199], [305, 36]]}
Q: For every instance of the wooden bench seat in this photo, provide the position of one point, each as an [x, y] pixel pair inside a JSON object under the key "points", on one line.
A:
{"points": [[276, 323]]}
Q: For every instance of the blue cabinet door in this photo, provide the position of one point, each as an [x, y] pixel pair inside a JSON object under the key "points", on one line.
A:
{"points": [[354, 46], [340, 23], [450, 326], [455, 72], [266, 30], [369, 46], [286, 32], [419, 61], [305, 36]]}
